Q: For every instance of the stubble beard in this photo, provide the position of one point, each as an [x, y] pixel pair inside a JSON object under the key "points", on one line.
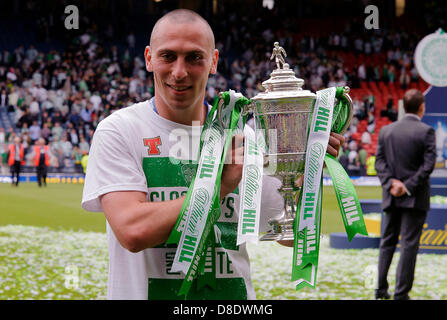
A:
{"points": [[183, 108]]}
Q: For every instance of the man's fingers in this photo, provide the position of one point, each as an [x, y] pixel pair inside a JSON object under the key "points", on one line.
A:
{"points": [[334, 142], [239, 155], [332, 151], [339, 137], [238, 140]]}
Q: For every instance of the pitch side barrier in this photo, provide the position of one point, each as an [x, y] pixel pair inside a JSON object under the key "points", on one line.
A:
{"points": [[51, 178]]}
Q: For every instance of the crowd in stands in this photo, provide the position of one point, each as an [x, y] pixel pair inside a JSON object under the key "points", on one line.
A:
{"points": [[62, 95]]}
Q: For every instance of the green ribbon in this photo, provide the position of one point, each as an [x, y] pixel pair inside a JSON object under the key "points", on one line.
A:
{"points": [[207, 266], [306, 274], [305, 263], [348, 202], [200, 266]]}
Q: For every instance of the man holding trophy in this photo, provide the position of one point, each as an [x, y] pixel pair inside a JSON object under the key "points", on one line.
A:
{"points": [[144, 188]]}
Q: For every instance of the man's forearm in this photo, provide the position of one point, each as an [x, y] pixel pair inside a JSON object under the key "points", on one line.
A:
{"points": [[139, 224]]}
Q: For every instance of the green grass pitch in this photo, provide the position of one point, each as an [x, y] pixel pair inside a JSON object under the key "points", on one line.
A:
{"points": [[58, 206]]}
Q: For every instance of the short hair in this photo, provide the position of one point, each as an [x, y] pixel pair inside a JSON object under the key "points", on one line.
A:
{"points": [[413, 99], [183, 16]]}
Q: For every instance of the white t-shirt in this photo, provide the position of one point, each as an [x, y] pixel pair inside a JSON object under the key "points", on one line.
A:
{"points": [[131, 151]]}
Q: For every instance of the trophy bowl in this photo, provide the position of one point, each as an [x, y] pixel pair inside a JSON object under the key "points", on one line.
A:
{"points": [[283, 112]]}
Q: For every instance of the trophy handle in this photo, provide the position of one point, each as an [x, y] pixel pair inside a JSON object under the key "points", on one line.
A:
{"points": [[248, 108], [346, 110], [219, 109]]}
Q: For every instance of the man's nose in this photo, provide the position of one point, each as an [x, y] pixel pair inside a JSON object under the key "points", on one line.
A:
{"points": [[179, 70]]}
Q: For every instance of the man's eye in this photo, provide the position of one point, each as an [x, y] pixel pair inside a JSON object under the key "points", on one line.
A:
{"points": [[195, 57], [168, 57]]}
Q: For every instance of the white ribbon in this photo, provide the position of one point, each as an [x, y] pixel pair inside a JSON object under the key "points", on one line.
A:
{"points": [[316, 149], [250, 188]]}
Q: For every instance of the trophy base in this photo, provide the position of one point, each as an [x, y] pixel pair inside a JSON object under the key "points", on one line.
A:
{"points": [[270, 236], [282, 229]]}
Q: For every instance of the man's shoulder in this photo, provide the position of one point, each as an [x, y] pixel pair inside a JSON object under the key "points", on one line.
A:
{"points": [[406, 127], [388, 127], [426, 126], [415, 124]]}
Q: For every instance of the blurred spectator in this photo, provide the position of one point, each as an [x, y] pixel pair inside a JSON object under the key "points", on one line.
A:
{"points": [[24, 130], [2, 137], [25, 118], [371, 122], [34, 109], [45, 132], [16, 155], [86, 113], [57, 117], [66, 146], [389, 112], [41, 155], [362, 154], [344, 160], [84, 161], [3, 152], [73, 136], [366, 138], [404, 78], [57, 131], [4, 98], [83, 145], [34, 132], [371, 165], [76, 156]]}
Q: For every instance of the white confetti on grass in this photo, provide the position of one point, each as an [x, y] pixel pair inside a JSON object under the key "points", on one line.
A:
{"points": [[40, 263], [342, 274]]}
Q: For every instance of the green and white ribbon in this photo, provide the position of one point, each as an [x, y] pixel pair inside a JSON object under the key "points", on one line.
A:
{"points": [[306, 248], [307, 220], [317, 143], [201, 208], [207, 267], [308, 217], [348, 202], [250, 187]]}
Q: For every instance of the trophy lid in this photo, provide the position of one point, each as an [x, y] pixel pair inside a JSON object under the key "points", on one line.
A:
{"points": [[282, 83]]}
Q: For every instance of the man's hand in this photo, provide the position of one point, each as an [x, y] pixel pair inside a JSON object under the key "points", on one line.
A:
{"points": [[336, 140], [397, 188]]}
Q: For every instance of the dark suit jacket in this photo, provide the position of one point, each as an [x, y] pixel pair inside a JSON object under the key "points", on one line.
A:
{"points": [[407, 152]]}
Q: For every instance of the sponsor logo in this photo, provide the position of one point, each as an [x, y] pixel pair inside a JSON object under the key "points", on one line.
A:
{"points": [[433, 238], [431, 59], [316, 153], [153, 144], [200, 199], [252, 175]]}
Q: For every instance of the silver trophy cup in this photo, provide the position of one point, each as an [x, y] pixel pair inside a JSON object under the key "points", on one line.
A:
{"points": [[284, 112]]}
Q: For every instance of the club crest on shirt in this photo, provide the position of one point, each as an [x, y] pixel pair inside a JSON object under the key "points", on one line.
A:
{"points": [[189, 171], [152, 144]]}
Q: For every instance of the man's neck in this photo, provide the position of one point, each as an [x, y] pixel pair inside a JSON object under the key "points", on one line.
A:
{"points": [[185, 116], [413, 115]]}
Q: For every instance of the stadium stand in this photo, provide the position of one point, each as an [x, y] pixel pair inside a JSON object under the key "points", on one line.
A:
{"points": [[68, 82]]}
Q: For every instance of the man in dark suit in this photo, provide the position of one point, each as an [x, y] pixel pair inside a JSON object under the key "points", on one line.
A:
{"points": [[405, 158], [4, 98]]}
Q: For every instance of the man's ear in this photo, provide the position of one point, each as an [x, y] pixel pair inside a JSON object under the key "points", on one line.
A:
{"points": [[215, 58], [147, 58]]}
